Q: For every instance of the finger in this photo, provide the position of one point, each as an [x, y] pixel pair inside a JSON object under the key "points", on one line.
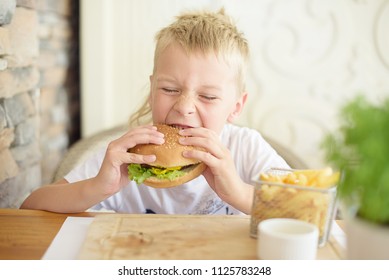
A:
{"points": [[143, 138], [206, 157], [144, 130], [212, 146], [119, 158], [204, 138], [135, 158], [136, 137]]}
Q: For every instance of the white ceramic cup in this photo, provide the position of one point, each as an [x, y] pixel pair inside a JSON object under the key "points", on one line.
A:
{"points": [[287, 239]]}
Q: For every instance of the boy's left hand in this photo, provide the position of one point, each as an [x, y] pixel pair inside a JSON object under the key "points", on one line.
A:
{"points": [[221, 173]]}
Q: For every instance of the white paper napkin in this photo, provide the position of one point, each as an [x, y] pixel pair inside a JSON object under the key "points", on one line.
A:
{"points": [[69, 239]]}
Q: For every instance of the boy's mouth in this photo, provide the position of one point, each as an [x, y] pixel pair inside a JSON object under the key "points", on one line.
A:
{"points": [[180, 126]]}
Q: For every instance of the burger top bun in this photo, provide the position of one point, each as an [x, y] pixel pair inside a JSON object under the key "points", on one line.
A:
{"points": [[169, 154]]}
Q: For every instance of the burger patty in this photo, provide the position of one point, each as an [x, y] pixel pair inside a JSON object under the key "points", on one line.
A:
{"points": [[165, 169]]}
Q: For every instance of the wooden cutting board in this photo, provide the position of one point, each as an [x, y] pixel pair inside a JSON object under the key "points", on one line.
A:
{"points": [[128, 236], [180, 237]]}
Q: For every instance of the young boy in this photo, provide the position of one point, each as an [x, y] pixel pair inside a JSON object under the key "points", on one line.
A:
{"points": [[197, 84]]}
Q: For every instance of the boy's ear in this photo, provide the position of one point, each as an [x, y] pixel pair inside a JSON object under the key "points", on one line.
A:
{"points": [[238, 107]]}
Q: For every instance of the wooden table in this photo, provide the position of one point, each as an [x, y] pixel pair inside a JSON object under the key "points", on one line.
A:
{"points": [[26, 234]]}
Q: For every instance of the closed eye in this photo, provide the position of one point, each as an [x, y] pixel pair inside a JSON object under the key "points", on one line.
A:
{"points": [[208, 97], [169, 90]]}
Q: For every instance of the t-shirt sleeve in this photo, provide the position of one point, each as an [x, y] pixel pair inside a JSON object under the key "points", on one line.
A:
{"points": [[254, 154], [88, 169]]}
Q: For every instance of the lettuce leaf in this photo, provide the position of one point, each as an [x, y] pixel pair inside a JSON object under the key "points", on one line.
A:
{"points": [[139, 173]]}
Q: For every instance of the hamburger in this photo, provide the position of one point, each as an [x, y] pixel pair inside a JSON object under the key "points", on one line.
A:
{"points": [[170, 168]]}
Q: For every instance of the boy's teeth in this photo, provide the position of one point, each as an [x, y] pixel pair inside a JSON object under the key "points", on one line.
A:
{"points": [[180, 126]]}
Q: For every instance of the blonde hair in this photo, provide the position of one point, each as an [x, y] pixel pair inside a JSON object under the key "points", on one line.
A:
{"points": [[204, 32]]}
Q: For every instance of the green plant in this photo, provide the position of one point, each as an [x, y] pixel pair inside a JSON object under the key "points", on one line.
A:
{"points": [[360, 150]]}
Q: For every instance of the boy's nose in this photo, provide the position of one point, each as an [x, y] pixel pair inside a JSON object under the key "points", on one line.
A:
{"points": [[185, 105]]}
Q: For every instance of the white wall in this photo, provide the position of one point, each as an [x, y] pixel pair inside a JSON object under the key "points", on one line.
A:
{"points": [[308, 57]]}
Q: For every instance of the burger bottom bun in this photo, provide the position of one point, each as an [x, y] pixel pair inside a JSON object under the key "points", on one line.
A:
{"points": [[194, 171]]}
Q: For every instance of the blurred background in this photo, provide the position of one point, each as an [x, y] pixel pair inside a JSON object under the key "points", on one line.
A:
{"points": [[73, 68]]}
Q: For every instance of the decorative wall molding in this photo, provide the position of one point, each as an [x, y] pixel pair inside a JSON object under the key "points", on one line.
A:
{"points": [[308, 58]]}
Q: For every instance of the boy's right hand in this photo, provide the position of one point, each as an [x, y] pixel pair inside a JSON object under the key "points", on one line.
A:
{"points": [[113, 174]]}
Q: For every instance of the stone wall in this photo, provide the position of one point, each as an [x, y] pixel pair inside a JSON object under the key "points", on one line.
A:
{"points": [[36, 56]]}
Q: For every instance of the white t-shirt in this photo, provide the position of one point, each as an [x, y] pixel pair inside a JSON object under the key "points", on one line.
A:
{"points": [[250, 152]]}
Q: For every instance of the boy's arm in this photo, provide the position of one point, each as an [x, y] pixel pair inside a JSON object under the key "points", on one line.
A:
{"points": [[243, 199], [65, 197], [232, 190]]}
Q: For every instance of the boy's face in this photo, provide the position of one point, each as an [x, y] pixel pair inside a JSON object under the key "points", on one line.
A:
{"points": [[194, 90]]}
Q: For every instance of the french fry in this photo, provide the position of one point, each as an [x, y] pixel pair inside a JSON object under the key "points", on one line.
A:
{"points": [[287, 202]]}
